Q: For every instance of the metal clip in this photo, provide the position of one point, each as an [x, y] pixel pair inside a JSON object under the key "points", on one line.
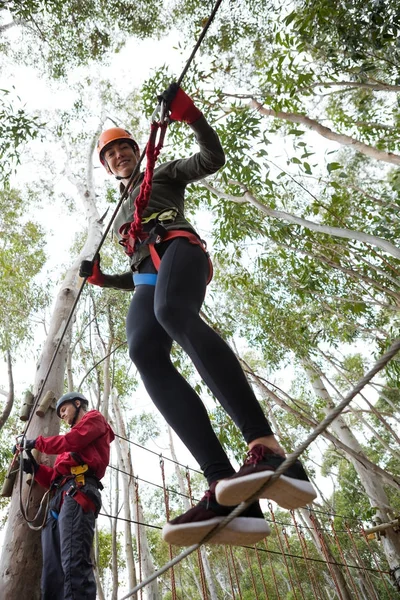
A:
{"points": [[160, 109], [72, 491]]}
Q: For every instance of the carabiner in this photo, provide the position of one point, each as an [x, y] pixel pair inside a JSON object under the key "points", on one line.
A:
{"points": [[162, 110]]}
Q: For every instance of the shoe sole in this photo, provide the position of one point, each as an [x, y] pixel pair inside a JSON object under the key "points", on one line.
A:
{"points": [[287, 492], [241, 531]]}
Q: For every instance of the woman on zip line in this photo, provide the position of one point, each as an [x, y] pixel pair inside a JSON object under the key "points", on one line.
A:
{"points": [[165, 307]]}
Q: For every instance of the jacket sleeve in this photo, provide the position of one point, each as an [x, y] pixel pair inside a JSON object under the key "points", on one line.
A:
{"points": [[206, 162], [80, 436], [44, 475], [122, 281]]}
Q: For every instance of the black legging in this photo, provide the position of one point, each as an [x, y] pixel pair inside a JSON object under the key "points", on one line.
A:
{"points": [[170, 311]]}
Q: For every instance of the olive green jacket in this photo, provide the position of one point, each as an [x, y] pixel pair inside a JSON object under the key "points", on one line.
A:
{"points": [[168, 192]]}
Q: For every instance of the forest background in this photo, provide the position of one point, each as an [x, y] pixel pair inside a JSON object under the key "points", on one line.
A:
{"points": [[302, 223]]}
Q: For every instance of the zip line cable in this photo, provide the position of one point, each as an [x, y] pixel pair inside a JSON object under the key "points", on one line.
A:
{"points": [[288, 462], [305, 558]]}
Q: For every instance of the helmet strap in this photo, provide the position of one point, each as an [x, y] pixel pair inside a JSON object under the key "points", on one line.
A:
{"points": [[77, 409]]}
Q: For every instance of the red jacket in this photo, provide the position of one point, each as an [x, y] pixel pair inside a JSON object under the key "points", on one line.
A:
{"points": [[90, 438]]}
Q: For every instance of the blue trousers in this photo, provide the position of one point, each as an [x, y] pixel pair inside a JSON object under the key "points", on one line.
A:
{"points": [[67, 540]]}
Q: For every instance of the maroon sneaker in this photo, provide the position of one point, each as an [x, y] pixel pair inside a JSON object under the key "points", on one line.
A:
{"points": [[291, 490], [190, 528]]}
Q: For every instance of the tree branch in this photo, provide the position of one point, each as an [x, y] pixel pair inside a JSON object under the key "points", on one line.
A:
{"points": [[340, 138], [10, 395], [327, 229], [375, 87]]}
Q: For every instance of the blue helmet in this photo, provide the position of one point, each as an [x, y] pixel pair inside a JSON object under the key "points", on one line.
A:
{"points": [[70, 397]]}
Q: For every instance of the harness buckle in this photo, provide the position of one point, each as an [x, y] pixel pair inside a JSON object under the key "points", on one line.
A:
{"points": [[73, 490], [156, 235], [79, 469]]}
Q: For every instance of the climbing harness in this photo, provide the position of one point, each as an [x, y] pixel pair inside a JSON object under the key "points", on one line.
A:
{"points": [[159, 234], [164, 235]]}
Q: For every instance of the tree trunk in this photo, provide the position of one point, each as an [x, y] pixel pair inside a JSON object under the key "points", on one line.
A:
{"points": [[338, 580], [125, 464], [372, 485], [22, 548], [136, 513]]}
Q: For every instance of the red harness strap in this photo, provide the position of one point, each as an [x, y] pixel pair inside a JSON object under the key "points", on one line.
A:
{"points": [[191, 237], [81, 499]]}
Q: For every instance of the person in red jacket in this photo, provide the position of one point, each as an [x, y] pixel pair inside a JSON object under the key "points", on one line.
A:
{"points": [[82, 458]]}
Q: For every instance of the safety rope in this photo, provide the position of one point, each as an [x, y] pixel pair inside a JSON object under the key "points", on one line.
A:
{"points": [[264, 584], [135, 232], [253, 581], [229, 570], [167, 515], [288, 462], [361, 562], [293, 563], [235, 572], [199, 556], [303, 545], [269, 553], [283, 553], [326, 553], [139, 534]]}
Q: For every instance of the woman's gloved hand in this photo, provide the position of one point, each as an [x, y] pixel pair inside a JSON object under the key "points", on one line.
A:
{"points": [[180, 105], [91, 270]]}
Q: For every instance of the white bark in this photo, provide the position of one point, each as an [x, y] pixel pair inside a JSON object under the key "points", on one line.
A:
{"points": [[340, 138], [372, 485], [151, 590], [7, 26], [340, 232], [125, 464], [135, 513]]}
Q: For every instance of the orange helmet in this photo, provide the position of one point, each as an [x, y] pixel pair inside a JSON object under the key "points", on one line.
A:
{"points": [[112, 135]]}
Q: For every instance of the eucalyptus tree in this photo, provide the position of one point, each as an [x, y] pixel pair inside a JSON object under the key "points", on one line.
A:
{"points": [[18, 539]]}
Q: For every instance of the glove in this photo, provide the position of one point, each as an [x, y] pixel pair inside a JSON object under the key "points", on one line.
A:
{"points": [[181, 106], [30, 466], [29, 444], [91, 270]]}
